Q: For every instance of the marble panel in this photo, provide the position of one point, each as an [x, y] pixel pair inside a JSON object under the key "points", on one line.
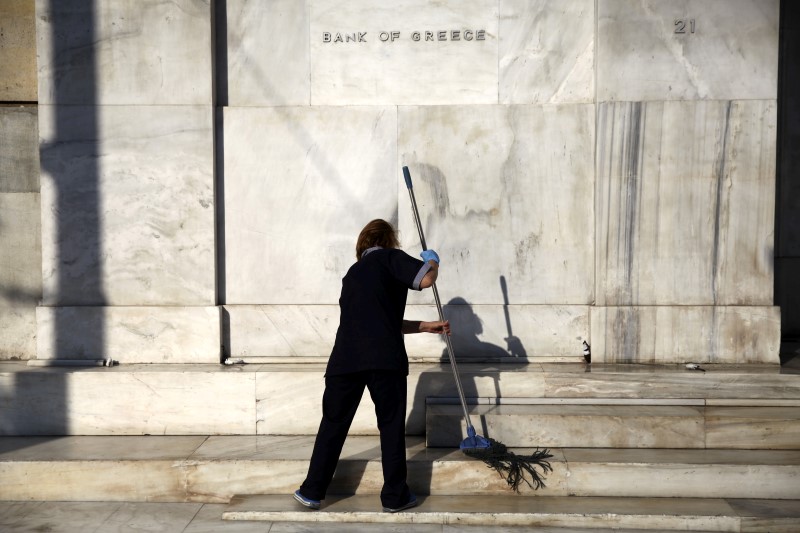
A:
{"points": [[685, 203], [20, 250], [483, 332], [771, 428], [298, 190], [686, 480], [19, 148], [267, 53], [683, 334], [728, 49], [146, 53], [546, 51], [154, 402], [18, 51], [365, 52], [569, 426], [290, 401], [130, 334], [18, 333], [504, 192], [128, 205], [92, 481]]}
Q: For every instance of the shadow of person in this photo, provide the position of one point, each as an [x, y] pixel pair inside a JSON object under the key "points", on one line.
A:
{"points": [[466, 326]]}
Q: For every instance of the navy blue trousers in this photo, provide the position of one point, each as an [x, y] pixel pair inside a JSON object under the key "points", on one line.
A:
{"points": [[339, 403]]}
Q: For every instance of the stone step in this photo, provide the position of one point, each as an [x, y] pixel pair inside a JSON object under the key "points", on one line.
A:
{"points": [[204, 399], [211, 469], [625, 424], [642, 514]]}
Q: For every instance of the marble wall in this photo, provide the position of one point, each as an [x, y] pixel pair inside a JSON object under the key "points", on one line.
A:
{"points": [[602, 158]]}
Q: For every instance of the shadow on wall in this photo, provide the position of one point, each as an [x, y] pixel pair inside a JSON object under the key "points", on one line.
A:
{"points": [[69, 161]]}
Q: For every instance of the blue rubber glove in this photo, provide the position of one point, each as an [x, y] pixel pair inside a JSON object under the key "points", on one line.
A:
{"points": [[429, 255]]}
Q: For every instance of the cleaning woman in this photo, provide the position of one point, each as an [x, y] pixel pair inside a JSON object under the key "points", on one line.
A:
{"points": [[369, 352]]}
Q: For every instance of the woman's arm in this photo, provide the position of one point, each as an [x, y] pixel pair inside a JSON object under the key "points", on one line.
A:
{"points": [[418, 326], [430, 277]]}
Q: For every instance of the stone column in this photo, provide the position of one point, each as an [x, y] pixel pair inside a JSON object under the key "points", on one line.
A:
{"points": [[126, 133]]}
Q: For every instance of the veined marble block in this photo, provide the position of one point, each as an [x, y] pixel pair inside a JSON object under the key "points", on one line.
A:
{"points": [[130, 334], [546, 51], [290, 399], [682, 334], [148, 400], [118, 52], [19, 149], [477, 332], [300, 183], [18, 51], [128, 205], [413, 52], [503, 191], [685, 203], [687, 49], [268, 53]]}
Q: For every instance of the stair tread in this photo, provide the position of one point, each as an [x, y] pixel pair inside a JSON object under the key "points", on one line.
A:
{"points": [[510, 511], [357, 448]]}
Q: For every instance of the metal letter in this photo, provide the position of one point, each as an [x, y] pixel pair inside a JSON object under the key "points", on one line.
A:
{"points": [[428, 35], [384, 36], [454, 35], [442, 35], [415, 36], [338, 38], [467, 35], [480, 35], [326, 37], [362, 37], [395, 35]]}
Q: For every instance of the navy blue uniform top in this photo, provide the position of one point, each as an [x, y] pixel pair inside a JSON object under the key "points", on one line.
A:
{"points": [[372, 305]]}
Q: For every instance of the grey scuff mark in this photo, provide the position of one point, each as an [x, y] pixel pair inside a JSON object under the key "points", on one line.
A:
{"points": [[718, 204], [629, 193]]}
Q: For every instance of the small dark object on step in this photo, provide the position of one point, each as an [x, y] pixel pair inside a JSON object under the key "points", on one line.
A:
{"points": [[695, 366], [513, 466], [587, 352]]}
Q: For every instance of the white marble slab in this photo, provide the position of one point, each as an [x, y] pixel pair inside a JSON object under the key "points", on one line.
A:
{"points": [[385, 65], [477, 331], [683, 334], [300, 183], [546, 51], [290, 402], [267, 53], [729, 49], [128, 205], [130, 334], [118, 401], [685, 203], [117, 52], [502, 191]]}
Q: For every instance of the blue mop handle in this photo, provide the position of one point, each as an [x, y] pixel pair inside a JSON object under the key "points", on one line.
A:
{"points": [[450, 353]]}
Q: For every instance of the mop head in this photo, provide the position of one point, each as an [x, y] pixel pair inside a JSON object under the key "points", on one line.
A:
{"points": [[512, 466]]}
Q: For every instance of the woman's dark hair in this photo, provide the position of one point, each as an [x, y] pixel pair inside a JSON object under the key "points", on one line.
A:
{"points": [[376, 233]]}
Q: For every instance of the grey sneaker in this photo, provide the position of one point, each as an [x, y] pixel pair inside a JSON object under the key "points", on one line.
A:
{"points": [[307, 502], [411, 503]]}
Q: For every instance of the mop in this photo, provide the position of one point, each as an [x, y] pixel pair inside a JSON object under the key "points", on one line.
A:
{"points": [[495, 454]]}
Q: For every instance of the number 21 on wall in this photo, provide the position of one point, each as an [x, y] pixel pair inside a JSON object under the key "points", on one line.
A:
{"points": [[681, 25]]}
